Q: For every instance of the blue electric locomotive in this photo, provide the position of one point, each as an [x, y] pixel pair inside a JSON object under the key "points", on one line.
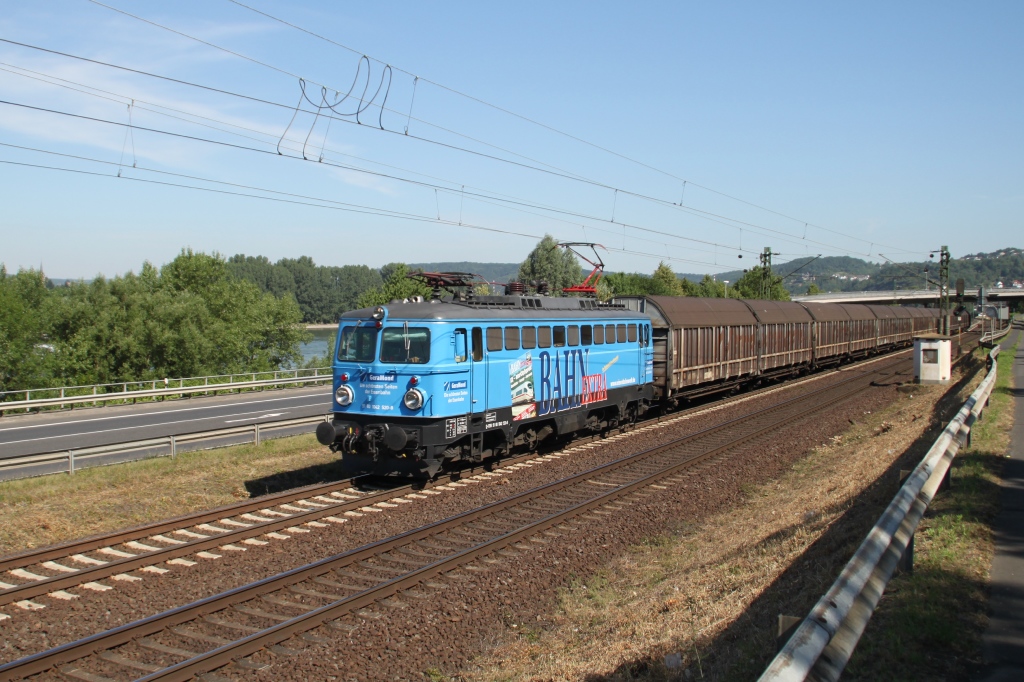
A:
{"points": [[422, 385]]}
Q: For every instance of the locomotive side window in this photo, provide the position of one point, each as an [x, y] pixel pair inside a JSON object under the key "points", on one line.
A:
{"points": [[574, 335], [621, 333], [494, 338], [405, 345], [529, 338], [586, 335], [511, 338], [559, 335], [543, 337], [357, 344], [609, 333], [631, 329], [598, 334], [478, 344]]}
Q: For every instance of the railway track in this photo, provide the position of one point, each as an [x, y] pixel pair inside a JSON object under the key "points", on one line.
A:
{"points": [[228, 628], [210, 534]]}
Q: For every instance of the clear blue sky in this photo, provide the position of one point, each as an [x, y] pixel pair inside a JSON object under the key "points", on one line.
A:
{"points": [[897, 126]]}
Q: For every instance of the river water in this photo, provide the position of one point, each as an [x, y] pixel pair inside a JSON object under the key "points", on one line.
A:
{"points": [[319, 344]]}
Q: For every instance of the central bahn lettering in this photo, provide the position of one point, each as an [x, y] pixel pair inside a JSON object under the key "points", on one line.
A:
{"points": [[565, 384]]}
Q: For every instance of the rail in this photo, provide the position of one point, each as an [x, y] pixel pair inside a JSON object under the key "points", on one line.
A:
{"points": [[74, 457], [824, 641], [66, 395]]}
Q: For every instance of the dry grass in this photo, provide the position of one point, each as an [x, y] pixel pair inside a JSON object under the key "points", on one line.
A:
{"points": [[929, 625], [50, 509], [708, 595]]}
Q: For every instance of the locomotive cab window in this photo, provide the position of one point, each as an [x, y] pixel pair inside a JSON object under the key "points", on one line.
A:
{"points": [[405, 345], [529, 338], [631, 329], [559, 334], [511, 338], [495, 339], [357, 344]]}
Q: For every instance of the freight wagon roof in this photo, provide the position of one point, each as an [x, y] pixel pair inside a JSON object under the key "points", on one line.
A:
{"points": [[827, 312], [857, 311], [501, 308], [917, 312], [778, 312], [686, 311], [883, 312]]}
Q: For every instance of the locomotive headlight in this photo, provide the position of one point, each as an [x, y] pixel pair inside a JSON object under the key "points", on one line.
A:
{"points": [[344, 395], [413, 399]]}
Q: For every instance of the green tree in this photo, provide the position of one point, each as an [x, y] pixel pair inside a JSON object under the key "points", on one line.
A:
{"points": [[813, 289], [664, 281], [549, 263], [397, 286], [751, 285], [25, 353]]}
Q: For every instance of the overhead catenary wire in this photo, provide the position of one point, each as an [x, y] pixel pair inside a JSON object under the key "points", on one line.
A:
{"points": [[578, 139], [545, 126], [411, 217], [717, 218], [346, 167]]}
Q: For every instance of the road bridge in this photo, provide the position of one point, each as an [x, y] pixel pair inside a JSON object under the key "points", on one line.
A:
{"points": [[928, 297]]}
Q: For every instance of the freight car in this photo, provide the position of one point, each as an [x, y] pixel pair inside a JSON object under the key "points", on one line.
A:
{"points": [[420, 386]]}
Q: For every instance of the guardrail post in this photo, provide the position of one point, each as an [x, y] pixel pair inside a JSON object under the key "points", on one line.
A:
{"points": [[174, 446], [62, 395], [256, 438], [787, 625], [71, 461]]}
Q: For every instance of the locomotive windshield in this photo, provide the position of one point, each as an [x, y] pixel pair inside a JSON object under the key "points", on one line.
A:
{"points": [[405, 345], [357, 344]]}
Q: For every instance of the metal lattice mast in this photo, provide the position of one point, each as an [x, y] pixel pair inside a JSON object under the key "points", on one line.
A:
{"points": [[944, 288], [766, 273]]}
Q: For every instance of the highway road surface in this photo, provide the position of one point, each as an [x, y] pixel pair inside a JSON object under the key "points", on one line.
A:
{"points": [[61, 430]]}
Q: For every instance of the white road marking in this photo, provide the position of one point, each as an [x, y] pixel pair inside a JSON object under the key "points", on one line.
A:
{"points": [[183, 409], [120, 428], [262, 416]]}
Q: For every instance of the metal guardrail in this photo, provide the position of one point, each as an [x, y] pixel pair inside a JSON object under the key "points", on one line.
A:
{"points": [[824, 641], [991, 336], [319, 374], [75, 457]]}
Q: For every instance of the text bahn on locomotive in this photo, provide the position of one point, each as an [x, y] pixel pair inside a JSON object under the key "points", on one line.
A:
{"points": [[422, 385]]}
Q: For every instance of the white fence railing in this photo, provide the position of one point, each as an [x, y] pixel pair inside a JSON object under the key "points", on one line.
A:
{"points": [[165, 446], [821, 646], [77, 395]]}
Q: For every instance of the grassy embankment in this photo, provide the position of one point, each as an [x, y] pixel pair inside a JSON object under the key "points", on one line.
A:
{"points": [[50, 509], [930, 622], [701, 601]]}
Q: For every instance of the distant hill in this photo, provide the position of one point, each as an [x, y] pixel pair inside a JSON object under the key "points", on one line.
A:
{"points": [[843, 273], [492, 272]]}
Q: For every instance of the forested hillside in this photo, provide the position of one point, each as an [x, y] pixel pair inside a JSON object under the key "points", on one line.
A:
{"points": [[843, 273], [323, 292]]}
